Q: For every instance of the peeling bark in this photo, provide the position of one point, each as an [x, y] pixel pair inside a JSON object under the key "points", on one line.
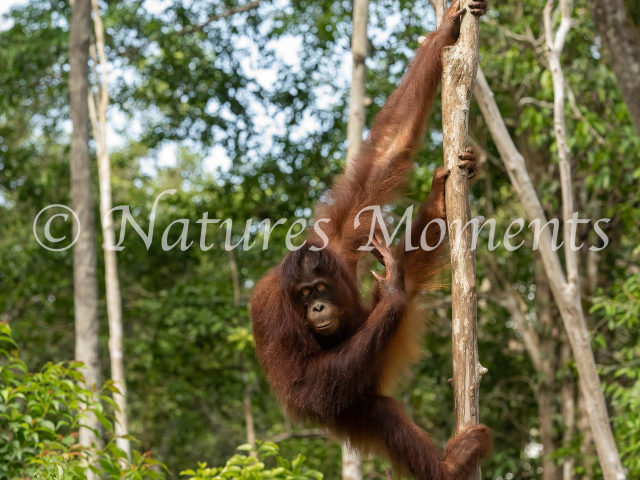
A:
{"points": [[460, 63]]}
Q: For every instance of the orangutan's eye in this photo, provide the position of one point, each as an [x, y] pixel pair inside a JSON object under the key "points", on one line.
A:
{"points": [[306, 292], [320, 287]]}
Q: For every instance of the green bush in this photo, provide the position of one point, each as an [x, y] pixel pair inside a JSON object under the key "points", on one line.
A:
{"points": [[247, 467], [40, 415], [620, 308]]}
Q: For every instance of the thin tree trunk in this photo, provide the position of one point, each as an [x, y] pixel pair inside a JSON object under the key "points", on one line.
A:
{"points": [[566, 296], [540, 347], [545, 418], [98, 117], [359, 41], [246, 394], [460, 63], [587, 451], [85, 289], [351, 459], [621, 40], [548, 366], [577, 331], [568, 394], [248, 412]]}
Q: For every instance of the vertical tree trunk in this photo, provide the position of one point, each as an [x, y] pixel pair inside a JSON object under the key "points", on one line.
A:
{"points": [[587, 451], [576, 328], [351, 459], [548, 366], [98, 117], [85, 290], [568, 392], [357, 117], [246, 393], [566, 298], [621, 40], [248, 412], [460, 63]]}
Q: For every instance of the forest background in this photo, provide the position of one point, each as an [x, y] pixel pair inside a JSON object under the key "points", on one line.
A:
{"points": [[242, 109]]}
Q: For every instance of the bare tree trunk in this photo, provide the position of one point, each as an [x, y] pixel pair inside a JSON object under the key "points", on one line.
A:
{"points": [[566, 295], [98, 117], [460, 63], [587, 451], [359, 47], [568, 394], [85, 288], [541, 350], [351, 459], [246, 395], [546, 409], [578, 335], [545, 418], [621, 40], [248, 412]]}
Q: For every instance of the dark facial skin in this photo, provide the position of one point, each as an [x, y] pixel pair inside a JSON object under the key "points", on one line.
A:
{"points": [[314, 294]]}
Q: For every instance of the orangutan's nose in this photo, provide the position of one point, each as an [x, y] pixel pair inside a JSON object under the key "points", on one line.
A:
{"points": [[318, 307]]}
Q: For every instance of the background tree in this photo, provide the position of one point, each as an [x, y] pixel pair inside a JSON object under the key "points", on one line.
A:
{"points": [[85, 283], [351, 459], [619, 32], [264, 94], [98, 104]]}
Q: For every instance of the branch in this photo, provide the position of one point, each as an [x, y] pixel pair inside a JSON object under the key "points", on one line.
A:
{"points": [[309, 433], [213, 18], [512, 302], [567, 299], [578, 114], [528, 38], [554, 48], [535, 101]]}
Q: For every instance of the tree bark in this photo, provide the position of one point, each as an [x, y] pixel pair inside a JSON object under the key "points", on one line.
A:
{"points": [[577, 331], [621, 41], [568, 392], [246, 393], [359, 47], [548, 367], [352, 459], [460, 64], [248, 412], [98, 115], [587, 451], [540, 347], [85, 289], [566, 296]]}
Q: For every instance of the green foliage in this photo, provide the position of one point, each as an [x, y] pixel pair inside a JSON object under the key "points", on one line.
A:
{"points": [[621, 309], [40, 416], [188, 347], [246, 467]]}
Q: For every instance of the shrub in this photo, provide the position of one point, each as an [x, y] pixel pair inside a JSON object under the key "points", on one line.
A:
{"points": [[247, 467], [40, 415]]}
